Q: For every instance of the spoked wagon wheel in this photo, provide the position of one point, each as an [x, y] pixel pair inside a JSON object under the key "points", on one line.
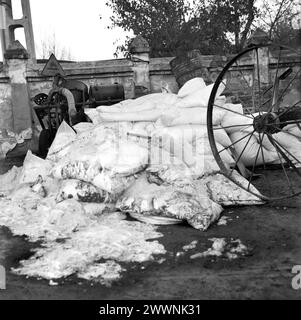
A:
{"points": [[265, 131]]}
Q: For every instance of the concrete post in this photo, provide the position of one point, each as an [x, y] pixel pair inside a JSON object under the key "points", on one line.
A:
{"points": [[8, 34], [139, 50], [16, 63], [261, 58], [261, 61]]}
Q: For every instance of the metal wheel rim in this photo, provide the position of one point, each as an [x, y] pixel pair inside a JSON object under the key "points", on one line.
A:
{"points": [[224, 170]]}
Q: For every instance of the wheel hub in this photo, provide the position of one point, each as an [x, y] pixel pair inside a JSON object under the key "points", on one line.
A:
{"points": [[266, 123]]}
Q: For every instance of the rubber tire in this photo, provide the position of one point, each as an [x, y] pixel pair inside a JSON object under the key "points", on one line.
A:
{"points": [[45, 141]]}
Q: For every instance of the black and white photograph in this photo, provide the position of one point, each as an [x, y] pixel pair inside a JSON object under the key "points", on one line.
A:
{"points": [[150, 153]]}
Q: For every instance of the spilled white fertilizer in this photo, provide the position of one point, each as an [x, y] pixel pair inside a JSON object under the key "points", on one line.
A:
{"points": [[104, 273], [186, 248], [190, 246], [223, 221], [231, 250], [112, 239], [76, 239]]}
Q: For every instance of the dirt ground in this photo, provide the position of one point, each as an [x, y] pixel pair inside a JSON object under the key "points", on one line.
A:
{"points": [[271, 232]]}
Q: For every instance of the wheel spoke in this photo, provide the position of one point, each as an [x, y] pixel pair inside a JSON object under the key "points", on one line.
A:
{"points": [[250, 133], [234, 126], [287, 159], [288, 152], [276, 82], [290, 82], [253, 169], [288, 109], [259, 84], [267, 101], [285, 122], [215, 105], [264, 164], [238, 159], [290, 186]]}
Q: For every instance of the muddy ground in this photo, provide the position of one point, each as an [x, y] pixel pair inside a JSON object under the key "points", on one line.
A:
{"points": [[272, 233]]}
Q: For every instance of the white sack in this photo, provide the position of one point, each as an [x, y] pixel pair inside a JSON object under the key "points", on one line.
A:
{"points": [[233, 122], [33, 167], [182, 116], [199, 98], [83, 126], [82, 192], [226, 193], [249, 156], [148, 115], [93, 115], [221, 137], [85, 162], [166, 201], [64, 137], [9, 180], [191, 86], [294, 130], [114, 184]]}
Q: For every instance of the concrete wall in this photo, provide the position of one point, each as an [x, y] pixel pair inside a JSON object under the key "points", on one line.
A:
{"points": [[105, 72]]}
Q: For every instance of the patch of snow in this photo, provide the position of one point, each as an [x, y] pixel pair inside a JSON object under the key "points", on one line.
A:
{"points": [[190, 246], [223, 221], [231, 250]]}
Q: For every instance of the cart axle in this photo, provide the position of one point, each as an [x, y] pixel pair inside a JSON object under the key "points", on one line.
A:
{"points": [[267, 123]]}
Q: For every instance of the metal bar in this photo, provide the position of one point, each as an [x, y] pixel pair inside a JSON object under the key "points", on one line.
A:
{"points": [[244, 149], [287, 178], [254, 165], [276, 86], [236, 142], [258, 75], [287, 159], [234, 126], [215, 105]]}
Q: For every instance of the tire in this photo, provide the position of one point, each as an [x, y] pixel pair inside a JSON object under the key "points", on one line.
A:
{"points": [[45, 141]]}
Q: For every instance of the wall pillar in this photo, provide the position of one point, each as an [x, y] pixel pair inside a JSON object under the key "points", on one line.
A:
{"points": [[261, 57], [261, 61], [139, 50], [16, 63], [8, 33]]}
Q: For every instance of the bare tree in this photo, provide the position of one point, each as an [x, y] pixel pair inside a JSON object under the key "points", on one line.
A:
{"points": [[277, 15], [51, 45]]}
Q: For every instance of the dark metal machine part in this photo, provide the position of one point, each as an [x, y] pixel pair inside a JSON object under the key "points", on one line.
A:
{"points": [[54, 108]]}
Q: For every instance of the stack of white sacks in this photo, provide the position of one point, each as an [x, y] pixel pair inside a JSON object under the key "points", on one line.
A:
{"points": [[149, 156], [179, 124]]}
